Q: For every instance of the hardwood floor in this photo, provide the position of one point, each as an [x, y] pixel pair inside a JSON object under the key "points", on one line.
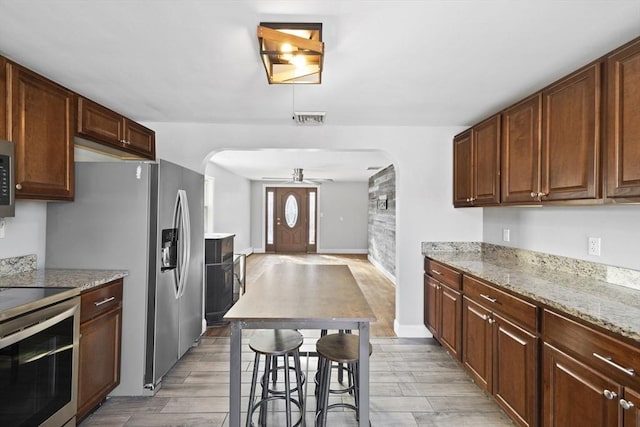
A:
{"points": [[377, 289], [413, 382]]}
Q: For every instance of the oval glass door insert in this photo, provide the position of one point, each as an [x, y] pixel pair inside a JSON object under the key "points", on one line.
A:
{"points": [[291, 211]]}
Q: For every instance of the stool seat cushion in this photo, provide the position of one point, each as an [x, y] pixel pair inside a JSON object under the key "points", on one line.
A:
{"points": [[341, 348], [276, 342]]}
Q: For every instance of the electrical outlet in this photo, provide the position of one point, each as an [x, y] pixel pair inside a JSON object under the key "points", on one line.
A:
{"points": [[506, 235], [2, 225], [594, 246]]}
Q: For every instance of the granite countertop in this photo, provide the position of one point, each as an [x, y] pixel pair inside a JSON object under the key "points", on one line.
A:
{"points": [[61, 278], [586, 290]]}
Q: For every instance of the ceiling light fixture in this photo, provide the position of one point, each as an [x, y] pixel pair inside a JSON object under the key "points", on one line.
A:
{"points": [[292, 53]]}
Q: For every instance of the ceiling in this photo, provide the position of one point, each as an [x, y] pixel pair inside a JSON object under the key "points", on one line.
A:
{"points": [[390, 63]]}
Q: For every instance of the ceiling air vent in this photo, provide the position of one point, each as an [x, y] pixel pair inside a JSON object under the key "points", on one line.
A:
{"points": [[309, 118]]}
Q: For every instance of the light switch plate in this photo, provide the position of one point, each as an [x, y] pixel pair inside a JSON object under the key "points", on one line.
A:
{"points": [[506, 235]]}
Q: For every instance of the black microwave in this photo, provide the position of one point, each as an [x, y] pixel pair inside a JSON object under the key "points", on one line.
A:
{"points": [[7, 178]]}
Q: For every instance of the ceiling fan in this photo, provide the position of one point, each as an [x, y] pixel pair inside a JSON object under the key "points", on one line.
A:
{"points": [[298, 178]]}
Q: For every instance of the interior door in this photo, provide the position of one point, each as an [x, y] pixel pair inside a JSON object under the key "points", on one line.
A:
{"points": [[291, 219]]}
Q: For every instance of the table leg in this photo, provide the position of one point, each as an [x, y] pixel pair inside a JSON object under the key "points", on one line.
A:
{"points": [[235, 374], [363, 328]]}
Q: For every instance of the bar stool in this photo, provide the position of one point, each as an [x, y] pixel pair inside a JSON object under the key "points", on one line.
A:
{"points": [[337, 348], [340, 367], [271, 344]]}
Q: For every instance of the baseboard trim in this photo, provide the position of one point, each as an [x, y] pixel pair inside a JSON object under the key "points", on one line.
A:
{"points": [[343, 251], [411, 331]]}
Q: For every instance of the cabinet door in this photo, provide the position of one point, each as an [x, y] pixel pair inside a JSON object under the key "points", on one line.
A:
{"points": [[140, 139], [486, 162], [42, 115], [462, 174], [476, 342], [571, 140], [515, 371], [631, 413], [4, 131], [99, 365], [623, 127], [521, 151], [431, 305], [100, 123], [451, 321], [574, 394]]}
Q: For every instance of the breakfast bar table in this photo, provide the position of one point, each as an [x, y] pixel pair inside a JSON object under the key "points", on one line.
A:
{"points": [[301, 296]]}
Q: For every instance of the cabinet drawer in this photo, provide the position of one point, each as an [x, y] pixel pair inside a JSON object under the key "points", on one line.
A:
{"points": [[496, 300], [100, 300], [605, 353], [442, 273]]}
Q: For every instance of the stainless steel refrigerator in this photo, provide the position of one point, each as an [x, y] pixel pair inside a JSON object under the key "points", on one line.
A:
{"points": [[147, 218]]}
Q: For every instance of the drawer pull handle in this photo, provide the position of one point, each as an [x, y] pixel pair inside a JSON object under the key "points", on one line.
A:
{"points": [[437, 272], [104, 301], [610, 362], [610, 395], [626, 404], [488, 298]]}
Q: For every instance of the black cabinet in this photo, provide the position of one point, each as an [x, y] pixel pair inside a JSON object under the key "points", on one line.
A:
{"points": [[218, 259]]}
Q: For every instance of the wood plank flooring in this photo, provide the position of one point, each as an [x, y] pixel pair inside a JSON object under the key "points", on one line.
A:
{"points": [[414, 382]]}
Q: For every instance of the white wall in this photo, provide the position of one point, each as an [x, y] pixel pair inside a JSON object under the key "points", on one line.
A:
{"points": [[26, 232], [231, 206], [342, 216], [343, 212], [565, 231], [423, 160]]}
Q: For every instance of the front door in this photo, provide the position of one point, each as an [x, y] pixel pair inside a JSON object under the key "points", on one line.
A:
{"points": [[291, 213]]}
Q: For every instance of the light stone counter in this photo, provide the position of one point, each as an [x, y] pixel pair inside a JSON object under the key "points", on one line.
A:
{"points": [[22, 272], [606, 296]]}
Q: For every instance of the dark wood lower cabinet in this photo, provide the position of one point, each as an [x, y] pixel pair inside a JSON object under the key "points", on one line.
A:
{"points": [[630, 408], [443, 314], [515, 371], [100, 342], [476, 342], [576, 395]]}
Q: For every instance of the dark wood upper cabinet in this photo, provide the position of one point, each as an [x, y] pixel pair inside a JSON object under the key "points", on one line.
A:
{"points": [[521, 151], [115, 134], [570, 160], [623, 124], [477, 165], [3, 99], [486, 162], [462, 173], [40, 123]]}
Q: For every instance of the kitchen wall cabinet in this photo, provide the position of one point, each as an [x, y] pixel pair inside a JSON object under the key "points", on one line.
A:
{"points": [[3, 99], [500, 348], [41, 116], [477, 165], [100, 342], [521, 144], [117, 135], [570, 158], [443, 306], [623, 123]]}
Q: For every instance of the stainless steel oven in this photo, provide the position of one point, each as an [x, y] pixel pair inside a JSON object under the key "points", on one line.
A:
{"points": [[39, 357]]}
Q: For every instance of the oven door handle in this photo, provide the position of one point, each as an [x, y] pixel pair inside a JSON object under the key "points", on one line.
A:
{"points": [[32, 326]]}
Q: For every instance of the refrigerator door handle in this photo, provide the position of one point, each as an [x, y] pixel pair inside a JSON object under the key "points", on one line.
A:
{"points": [[181, 222]]}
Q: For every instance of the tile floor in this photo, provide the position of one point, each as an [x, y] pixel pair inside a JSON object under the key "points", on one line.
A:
{"points": [[413, 383]]}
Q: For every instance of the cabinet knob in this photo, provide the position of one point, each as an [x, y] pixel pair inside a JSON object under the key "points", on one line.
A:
{"points": [[609, 394], [491, 320], [542, 194], [626, 405], [534, 194], [18, 186]]}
